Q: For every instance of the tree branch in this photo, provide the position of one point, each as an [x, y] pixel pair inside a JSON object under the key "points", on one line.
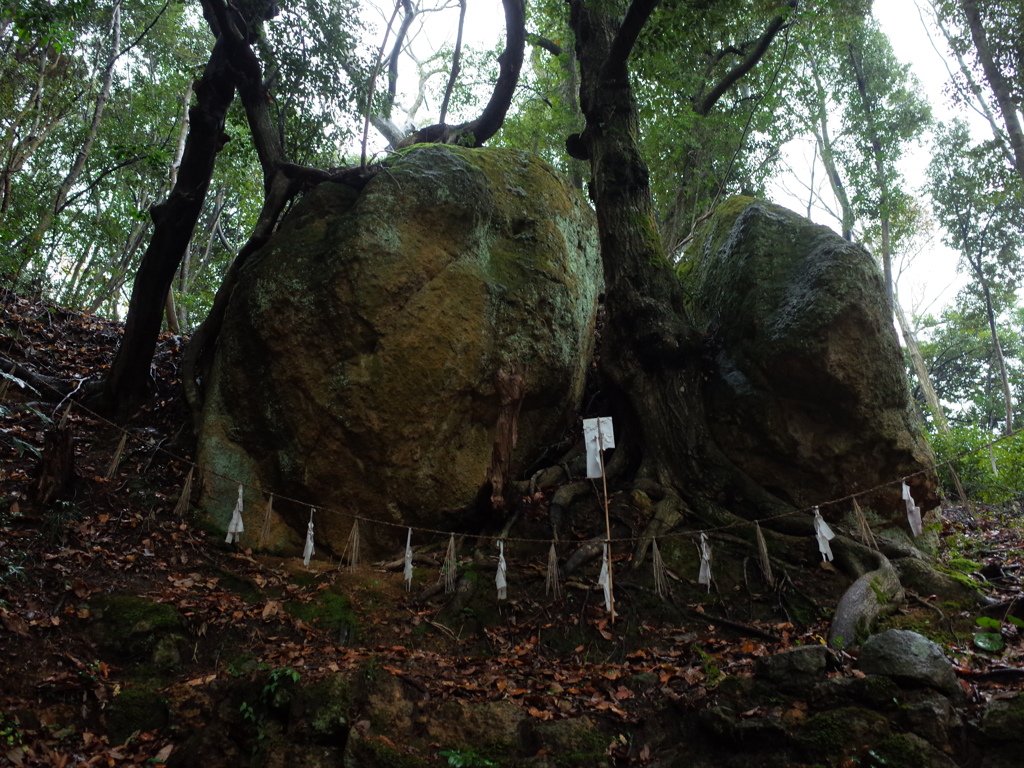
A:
{"points": [[407, 18], [637, 14], [456, 63], [997, 83], [542, 42], [145, 32], [476, 132], [775, 26]]}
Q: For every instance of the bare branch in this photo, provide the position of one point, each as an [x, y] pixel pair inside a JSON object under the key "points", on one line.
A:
{"points": [[145, 32], [396, 50], [456, 63], [476, 132], [373, 82], [542, 42]]}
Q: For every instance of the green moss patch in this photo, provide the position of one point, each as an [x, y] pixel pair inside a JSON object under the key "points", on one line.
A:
{"points": [[330, 610]]}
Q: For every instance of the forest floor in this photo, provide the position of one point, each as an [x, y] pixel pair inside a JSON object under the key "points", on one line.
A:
{"points": [[119, 533]]}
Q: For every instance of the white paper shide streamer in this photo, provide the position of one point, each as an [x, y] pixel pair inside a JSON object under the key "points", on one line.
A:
{"points": [[704, 575], [500, 580], [824, 535], [236, 526], [407, 573], [598, 435], [913, 511], [604, 582], [308, 551]]}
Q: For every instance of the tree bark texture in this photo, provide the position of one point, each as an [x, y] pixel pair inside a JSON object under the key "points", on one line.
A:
{"points": [[652, 353], [55, 473]]}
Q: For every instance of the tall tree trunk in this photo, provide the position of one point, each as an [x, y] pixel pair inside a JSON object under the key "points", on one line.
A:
{"points": [[997, 350], [170, 310], [921, 370], [173, 223], [119, 271], [18, 151], [972, 84], [823, 137], [930, 398], [996, 81], [84, 151], [651, 349], [69, 296], [856, 62]]}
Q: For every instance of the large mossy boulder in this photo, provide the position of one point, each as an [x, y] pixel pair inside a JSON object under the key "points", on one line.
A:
{"points": [[355, 369], [808, 393]]}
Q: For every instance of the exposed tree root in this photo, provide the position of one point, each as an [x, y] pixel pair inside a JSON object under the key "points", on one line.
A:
{"points": [[47, 388], [876, 591]]}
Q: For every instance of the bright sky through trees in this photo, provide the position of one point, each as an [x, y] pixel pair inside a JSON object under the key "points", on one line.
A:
{"points": [[927, 280], [930, 279]]}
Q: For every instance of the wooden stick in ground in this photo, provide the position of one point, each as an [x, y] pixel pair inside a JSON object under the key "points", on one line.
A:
{"points": [[607, 522]]}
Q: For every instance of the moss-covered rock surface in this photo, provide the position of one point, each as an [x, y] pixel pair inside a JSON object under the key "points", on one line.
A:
{"points": [[808, 392], [355, 368]]}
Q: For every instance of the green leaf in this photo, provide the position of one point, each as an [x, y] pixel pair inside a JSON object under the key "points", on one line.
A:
{"points": [[989, 641], [45, 419], [986, 621], [1015, 621], [21, 446], [21, 383]]}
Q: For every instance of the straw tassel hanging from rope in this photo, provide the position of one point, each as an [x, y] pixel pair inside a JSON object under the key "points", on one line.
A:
{"points": [[265, 528], [763, 559], [117, 456], [449, 570], [863, 529], [660, 571], [351, 552], [552, 586], [186, 494]]}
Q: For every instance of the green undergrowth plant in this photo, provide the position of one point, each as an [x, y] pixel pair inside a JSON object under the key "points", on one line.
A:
{"points": [[460, 759], [10, 731], [991, 472], [990, 638]]}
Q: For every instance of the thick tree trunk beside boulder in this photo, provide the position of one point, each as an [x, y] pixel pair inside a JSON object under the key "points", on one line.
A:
{"points": [[355, 369]]}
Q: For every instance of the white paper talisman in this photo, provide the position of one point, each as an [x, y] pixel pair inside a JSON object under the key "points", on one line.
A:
{"points": [[824, 535], [236, 526], [598, 435]]}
